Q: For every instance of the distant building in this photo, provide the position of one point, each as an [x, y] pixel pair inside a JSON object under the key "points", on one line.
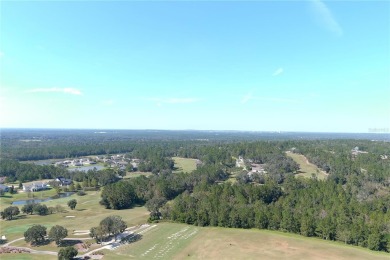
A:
{"points": [[63, 181], [36, 186], [4, 188]]}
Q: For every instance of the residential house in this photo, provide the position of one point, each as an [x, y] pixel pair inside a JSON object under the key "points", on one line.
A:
{"points": [[4, 188], [63, 181], [35, 186]]}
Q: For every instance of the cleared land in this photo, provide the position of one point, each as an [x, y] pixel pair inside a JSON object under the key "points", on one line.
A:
{"points": [[223, 243], [307, 168], [184, 164], [178, 241]]}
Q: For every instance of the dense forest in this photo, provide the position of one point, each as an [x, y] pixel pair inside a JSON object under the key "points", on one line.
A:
{"points": [[352, 205]]}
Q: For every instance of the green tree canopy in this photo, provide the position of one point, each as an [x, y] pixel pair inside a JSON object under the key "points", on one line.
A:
{"points": [[72, 204], [35, 234], [58, 233]]}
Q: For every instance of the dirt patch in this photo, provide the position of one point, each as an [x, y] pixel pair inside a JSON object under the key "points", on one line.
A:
{"points": [[13, 250]]}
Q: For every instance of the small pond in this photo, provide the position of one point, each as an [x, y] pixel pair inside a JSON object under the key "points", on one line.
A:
{"points": [[36, 200]]}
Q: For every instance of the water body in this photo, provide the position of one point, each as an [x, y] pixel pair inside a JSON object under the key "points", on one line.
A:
{"points": [[33, 201]]}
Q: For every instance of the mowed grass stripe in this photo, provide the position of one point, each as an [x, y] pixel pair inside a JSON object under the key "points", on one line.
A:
{"points": [[161, 242]]}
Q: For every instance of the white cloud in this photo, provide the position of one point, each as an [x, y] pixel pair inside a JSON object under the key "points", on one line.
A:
{"points": [[173, 100], [71, 91], [1, 54], [324, 17], [277, 72]]}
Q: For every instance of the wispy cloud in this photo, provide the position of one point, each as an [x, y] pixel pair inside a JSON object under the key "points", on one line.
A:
{"points": [[108, 102], [71, 91], [1, 54], [277, 72], [248, 97], [324, 17], [173, 100]]}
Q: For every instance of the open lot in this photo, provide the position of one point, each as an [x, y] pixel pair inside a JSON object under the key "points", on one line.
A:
{"points": [[178, 241], [307, 168], [184, 164], [224, 243]]}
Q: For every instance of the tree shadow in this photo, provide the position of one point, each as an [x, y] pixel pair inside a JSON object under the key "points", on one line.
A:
{"points": [[131, 239], [41, 243], [65, 243]]}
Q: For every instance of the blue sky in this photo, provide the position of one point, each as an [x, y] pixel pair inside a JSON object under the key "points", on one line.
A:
{"points": [[259, 66]]}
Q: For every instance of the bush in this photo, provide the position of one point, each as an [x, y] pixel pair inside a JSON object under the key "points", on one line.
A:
{"points": [[67, 253], [81, 193]]}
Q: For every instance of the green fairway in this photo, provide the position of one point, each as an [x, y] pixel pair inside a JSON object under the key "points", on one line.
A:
{"points": [[307, 169], [184, 164], [162, 241], [88, 213]]}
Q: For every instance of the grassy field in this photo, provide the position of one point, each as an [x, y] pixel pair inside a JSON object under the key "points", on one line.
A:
{"points": [[88, 213], [137, 174], [184, 164], [27, 257], [162, 241], [306, 168], [223, 243], [178, 241]]}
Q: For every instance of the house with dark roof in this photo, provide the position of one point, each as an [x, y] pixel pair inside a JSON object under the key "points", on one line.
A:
{"points": [[63, 181]]}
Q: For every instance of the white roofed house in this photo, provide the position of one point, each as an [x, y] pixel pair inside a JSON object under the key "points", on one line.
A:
{"points": [[35, 186]]}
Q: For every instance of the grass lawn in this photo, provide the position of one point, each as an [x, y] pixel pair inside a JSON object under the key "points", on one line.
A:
{"points": [[162, 241], [88, 213], [5, 201], [224, 243], [27, 257], [137, 174], [306, 168], [184, 164], [179, 241]]}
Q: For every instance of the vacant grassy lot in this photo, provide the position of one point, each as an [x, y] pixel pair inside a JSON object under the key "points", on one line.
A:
{"points": [[223, 243], [184, 164], [307, 168], [178, 241]]}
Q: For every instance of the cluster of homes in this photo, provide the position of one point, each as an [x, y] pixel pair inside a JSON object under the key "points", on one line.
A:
{"points": [[39, 185], [255, 167], [118, 160], [75, 162]]}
